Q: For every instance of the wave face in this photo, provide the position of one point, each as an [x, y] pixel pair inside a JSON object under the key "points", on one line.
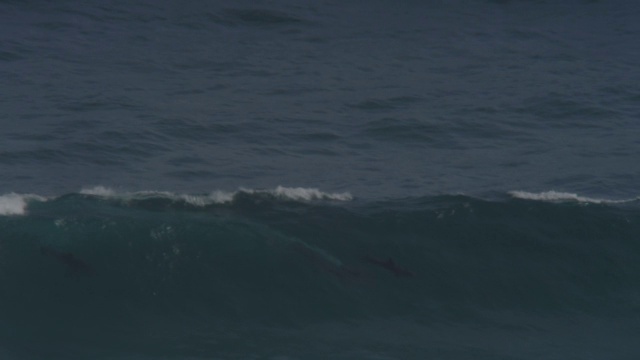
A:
{"points": [[124, 276]]}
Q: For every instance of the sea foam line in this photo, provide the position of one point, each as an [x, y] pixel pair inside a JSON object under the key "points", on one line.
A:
{"points": [[215, 197], [218, 196], [557, 196], [16, 204], [301, 194]]}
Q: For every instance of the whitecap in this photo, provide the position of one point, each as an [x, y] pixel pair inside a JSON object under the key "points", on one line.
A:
{"points": [[16, 204], [557, 196]]}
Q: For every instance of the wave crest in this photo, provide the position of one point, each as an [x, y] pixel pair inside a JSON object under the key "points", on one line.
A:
{"points": [[16, 204], [220, 197], [301, 194], [557, 196]]}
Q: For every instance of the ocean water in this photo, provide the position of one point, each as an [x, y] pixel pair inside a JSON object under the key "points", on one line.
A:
{"points": [[319, 180]]}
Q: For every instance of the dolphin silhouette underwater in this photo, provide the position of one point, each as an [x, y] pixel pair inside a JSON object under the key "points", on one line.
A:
{"points": [[74, 265], [391, 266]]}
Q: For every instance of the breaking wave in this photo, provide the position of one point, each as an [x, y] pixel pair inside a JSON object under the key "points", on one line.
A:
{"points": [[86, 274]]}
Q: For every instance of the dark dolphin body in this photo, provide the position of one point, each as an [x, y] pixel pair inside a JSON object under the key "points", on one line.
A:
{"points": [[74, 265], [391, 266]]}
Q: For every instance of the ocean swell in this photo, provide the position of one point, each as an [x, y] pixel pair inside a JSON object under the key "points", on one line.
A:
{"points": [[155, 268]]}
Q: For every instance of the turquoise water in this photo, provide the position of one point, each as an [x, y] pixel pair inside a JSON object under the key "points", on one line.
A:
{"points": [[271, 275], [313, 180]]}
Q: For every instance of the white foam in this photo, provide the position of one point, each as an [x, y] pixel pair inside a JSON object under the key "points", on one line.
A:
{"points": [[310, 194], [221, 197], [218, 196], [301, 194], [16, 204], [98, 191], [556, 196]]}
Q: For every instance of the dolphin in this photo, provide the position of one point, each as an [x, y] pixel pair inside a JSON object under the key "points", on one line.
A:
{"points": [[391, 266], [74, 265]]}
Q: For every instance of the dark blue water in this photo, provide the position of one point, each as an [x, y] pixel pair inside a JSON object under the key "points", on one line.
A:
{"points": [[319, 179]]}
